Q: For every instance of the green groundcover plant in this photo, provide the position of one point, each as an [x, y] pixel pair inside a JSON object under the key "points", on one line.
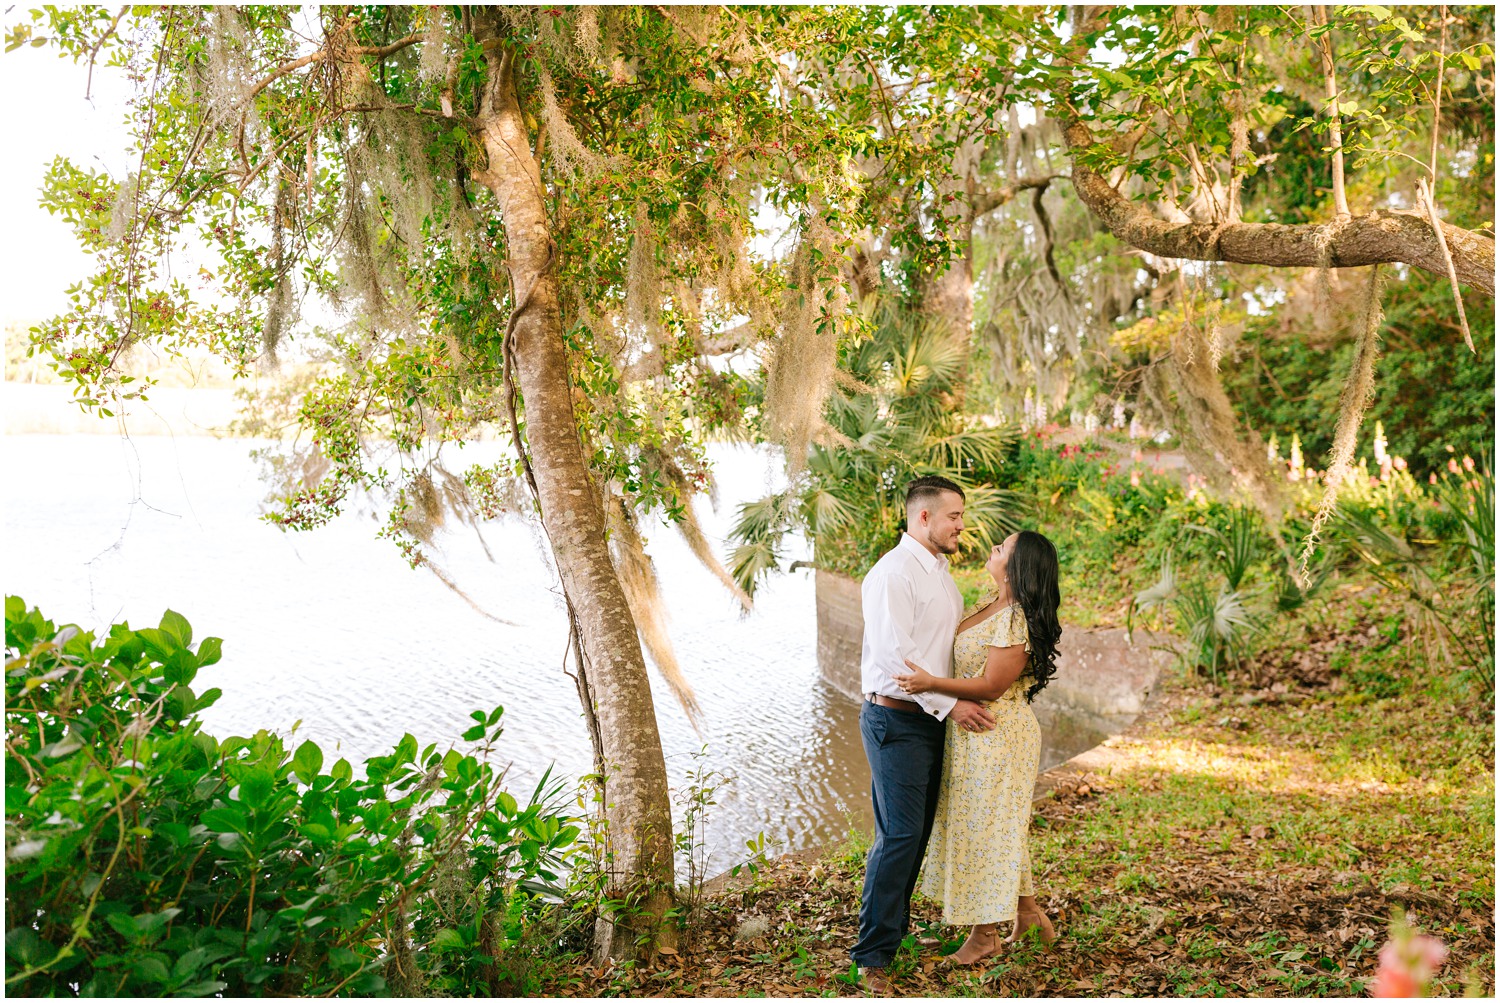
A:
{"points": [[145, 857]]}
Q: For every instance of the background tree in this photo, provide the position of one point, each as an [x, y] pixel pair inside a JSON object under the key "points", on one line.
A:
{"points": [[528, 217]]}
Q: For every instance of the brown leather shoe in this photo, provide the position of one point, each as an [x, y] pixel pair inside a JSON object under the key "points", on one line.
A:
{"points": [[873, 982]]}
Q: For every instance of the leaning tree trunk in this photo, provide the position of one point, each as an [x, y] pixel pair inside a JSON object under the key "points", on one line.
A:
{"points": [[946, 297], [948, 300], [637, 808]]}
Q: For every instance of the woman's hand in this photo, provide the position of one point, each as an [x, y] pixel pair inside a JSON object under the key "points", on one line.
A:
{"points": [[919, 680]]}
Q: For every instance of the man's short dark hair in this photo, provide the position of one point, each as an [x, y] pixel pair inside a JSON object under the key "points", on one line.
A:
{"points": [[923, 491]]}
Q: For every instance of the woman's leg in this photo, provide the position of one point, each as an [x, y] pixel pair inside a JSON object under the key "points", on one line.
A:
{"points": [[984, 941], [1029, 914]]}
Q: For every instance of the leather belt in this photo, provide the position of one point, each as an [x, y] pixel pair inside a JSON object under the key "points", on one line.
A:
{"points": [[894, 704]]}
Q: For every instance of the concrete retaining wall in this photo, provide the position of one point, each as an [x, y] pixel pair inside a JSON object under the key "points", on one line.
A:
{"points": [[841, 625]]}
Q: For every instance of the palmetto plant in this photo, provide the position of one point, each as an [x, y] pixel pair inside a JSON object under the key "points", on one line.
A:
{"points": [[1456, 602], [1238, 545], [1218, 625], [892, 419]]}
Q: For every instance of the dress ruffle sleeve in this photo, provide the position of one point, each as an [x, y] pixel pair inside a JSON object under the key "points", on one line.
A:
{"points": [[1009, 629]]}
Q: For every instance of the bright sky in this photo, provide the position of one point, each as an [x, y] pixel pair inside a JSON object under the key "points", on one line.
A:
{"points": [[47, 117]]}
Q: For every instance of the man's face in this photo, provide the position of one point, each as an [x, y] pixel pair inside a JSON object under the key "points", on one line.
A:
{"points": [[945, 521]]}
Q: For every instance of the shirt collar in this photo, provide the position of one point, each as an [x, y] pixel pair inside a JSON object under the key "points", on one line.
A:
{"points": [[929, 561]]}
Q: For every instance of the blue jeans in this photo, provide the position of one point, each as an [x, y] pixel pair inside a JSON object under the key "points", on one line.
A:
{"points": [[905, 751]]}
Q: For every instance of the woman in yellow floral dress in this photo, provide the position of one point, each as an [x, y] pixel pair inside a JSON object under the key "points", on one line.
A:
{"points": [[978, 864]]}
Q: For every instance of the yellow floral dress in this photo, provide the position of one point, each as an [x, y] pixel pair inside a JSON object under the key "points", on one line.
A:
{"points": [[978, 862]]}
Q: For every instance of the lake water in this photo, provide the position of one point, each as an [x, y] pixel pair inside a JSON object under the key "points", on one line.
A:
{"points": [[330, 633]]}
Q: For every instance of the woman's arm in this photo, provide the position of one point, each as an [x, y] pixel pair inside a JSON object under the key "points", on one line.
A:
{"points": [[1002, 667]]}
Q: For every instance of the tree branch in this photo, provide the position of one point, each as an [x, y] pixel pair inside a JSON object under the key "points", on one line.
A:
{"points": [[1331, 93], [378, 51], [734, 339], [1377, 238], [88, 88], [987, 201]]}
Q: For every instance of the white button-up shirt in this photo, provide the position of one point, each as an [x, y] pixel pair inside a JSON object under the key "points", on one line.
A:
{"points": [[912, 609]]}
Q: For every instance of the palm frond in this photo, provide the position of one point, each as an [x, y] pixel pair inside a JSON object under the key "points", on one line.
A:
{"points": [[1238, 545], [826, 512], [969, 448], [1156, 595], [990, 515], [925, 363], [756, 539]]}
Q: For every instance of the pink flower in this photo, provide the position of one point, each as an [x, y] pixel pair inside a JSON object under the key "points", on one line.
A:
{"points": [[1452, 467], [1135, 478], [1399, 462], [1469, 464], [1432, 478], [1408, 961], [1393, 984]]}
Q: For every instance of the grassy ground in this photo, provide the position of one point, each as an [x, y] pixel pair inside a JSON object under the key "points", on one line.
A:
{"points": [[1249, 839]]}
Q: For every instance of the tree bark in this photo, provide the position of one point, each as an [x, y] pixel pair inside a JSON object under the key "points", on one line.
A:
{"points": [[948, 298], [1319, 18], [949, 295], [1380, 237], [637, 809]]}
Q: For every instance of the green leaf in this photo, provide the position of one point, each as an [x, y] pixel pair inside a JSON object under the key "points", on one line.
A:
{"points": [[152, 970], [317, 832], [123, 924], [175, 624], [225, 820], [308, 761], [448, 940], [257, 788], [210, 650], [27, 949], [160, 644], [202, 988], [175, 832]]}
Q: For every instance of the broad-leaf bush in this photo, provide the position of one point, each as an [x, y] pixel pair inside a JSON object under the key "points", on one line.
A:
{"points": [[145, 857]]}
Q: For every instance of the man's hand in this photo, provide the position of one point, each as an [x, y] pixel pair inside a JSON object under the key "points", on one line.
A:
{"points": [[971, 716]]}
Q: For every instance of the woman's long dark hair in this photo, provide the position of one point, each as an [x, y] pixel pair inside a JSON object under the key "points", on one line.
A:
{"points": [[1032, 573]]}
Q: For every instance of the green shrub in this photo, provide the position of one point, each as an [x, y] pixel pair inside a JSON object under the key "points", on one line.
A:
{"points": [[1281, 384], [147, 858]]}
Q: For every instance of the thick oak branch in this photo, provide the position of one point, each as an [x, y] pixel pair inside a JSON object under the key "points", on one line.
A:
{"points": [[1350, 241], [1378, 238]]}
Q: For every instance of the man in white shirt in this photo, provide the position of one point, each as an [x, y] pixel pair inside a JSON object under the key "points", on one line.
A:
{"points": [[911, 610]]}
